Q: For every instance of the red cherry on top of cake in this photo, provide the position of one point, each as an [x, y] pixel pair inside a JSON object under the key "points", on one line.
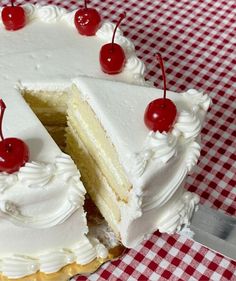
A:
{"points": [[112, 56], [87, 20], [160, 114], [14, 153], [13, 17]]}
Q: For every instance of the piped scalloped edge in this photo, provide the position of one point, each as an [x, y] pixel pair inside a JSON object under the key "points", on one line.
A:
{"points": [[72, 269]]}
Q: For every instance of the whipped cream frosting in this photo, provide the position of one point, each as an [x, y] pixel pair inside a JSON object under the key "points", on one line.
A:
{"points": [[156, 164], [45, 177]]}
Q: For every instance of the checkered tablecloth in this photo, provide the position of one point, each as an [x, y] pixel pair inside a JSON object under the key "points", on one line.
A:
{"points": [[197, 39]]}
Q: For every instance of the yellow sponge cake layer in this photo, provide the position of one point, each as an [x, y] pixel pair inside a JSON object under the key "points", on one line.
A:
{"points": [[58, 134], [98, 144], [94, 181], [50, 108]]}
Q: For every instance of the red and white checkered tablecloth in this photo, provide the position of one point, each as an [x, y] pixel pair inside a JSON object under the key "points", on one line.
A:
{"points": [[197, 39]]}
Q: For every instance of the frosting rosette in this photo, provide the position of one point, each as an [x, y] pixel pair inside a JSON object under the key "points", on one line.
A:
{"points": [[50, 13]]}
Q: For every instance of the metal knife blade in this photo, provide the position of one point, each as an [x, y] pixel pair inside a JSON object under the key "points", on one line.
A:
{"points": [[215, 230]]}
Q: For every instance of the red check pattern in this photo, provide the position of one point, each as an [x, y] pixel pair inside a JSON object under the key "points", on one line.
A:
{"points": [[197, 40]]}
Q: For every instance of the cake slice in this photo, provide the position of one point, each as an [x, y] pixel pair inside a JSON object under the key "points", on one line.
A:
{"points": [[134, 176]]}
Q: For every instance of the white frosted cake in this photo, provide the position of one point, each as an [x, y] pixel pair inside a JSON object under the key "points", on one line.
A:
{"points": [[134, 176]]}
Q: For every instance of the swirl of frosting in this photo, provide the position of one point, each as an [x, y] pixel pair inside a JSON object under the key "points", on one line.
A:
{"points": [[188, 124], [181, 214], [69, 18], [193, 154], [9, 207], [140, 161], [126, 44], [198, 99], [76, 194], [36, 174], [105, 32], [135, 66], [163, 145], [84, 251], [139, 79], [160, 146], [190, 202], [50, 13], [30, 11], [54, 261], [6, 181], [18, 266], [66, 168], [101, 251]]}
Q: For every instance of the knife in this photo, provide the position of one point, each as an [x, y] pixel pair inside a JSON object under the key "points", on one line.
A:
{"points": [[215, 230]]}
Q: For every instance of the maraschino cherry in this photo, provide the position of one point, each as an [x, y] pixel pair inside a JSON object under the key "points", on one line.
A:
{"points": [[161, 113], [112, 56], [14, 153], [87, 20], [13, 17]]}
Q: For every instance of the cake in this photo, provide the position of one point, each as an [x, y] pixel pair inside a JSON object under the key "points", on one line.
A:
{"points": [[52, 84]]}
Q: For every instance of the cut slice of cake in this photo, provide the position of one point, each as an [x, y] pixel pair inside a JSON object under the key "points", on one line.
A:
{"points": [[134, 176]]}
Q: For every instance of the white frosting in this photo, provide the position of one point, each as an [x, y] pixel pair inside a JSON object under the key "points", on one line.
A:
{"points": [[197, 99], [6, 181], [35, 174], [156, 164], [44, 177], [45, 197], [69, 18], [83, 252], [193, 155], [183, 213], [188, 124], [18, 266], [159, 146], [50, 13], [29, 11]]}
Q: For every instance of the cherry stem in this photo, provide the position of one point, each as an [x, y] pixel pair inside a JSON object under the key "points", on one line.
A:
{"points": [[159, 57], [12, 3], [122, 16], [85, 4], [3, 107]]}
